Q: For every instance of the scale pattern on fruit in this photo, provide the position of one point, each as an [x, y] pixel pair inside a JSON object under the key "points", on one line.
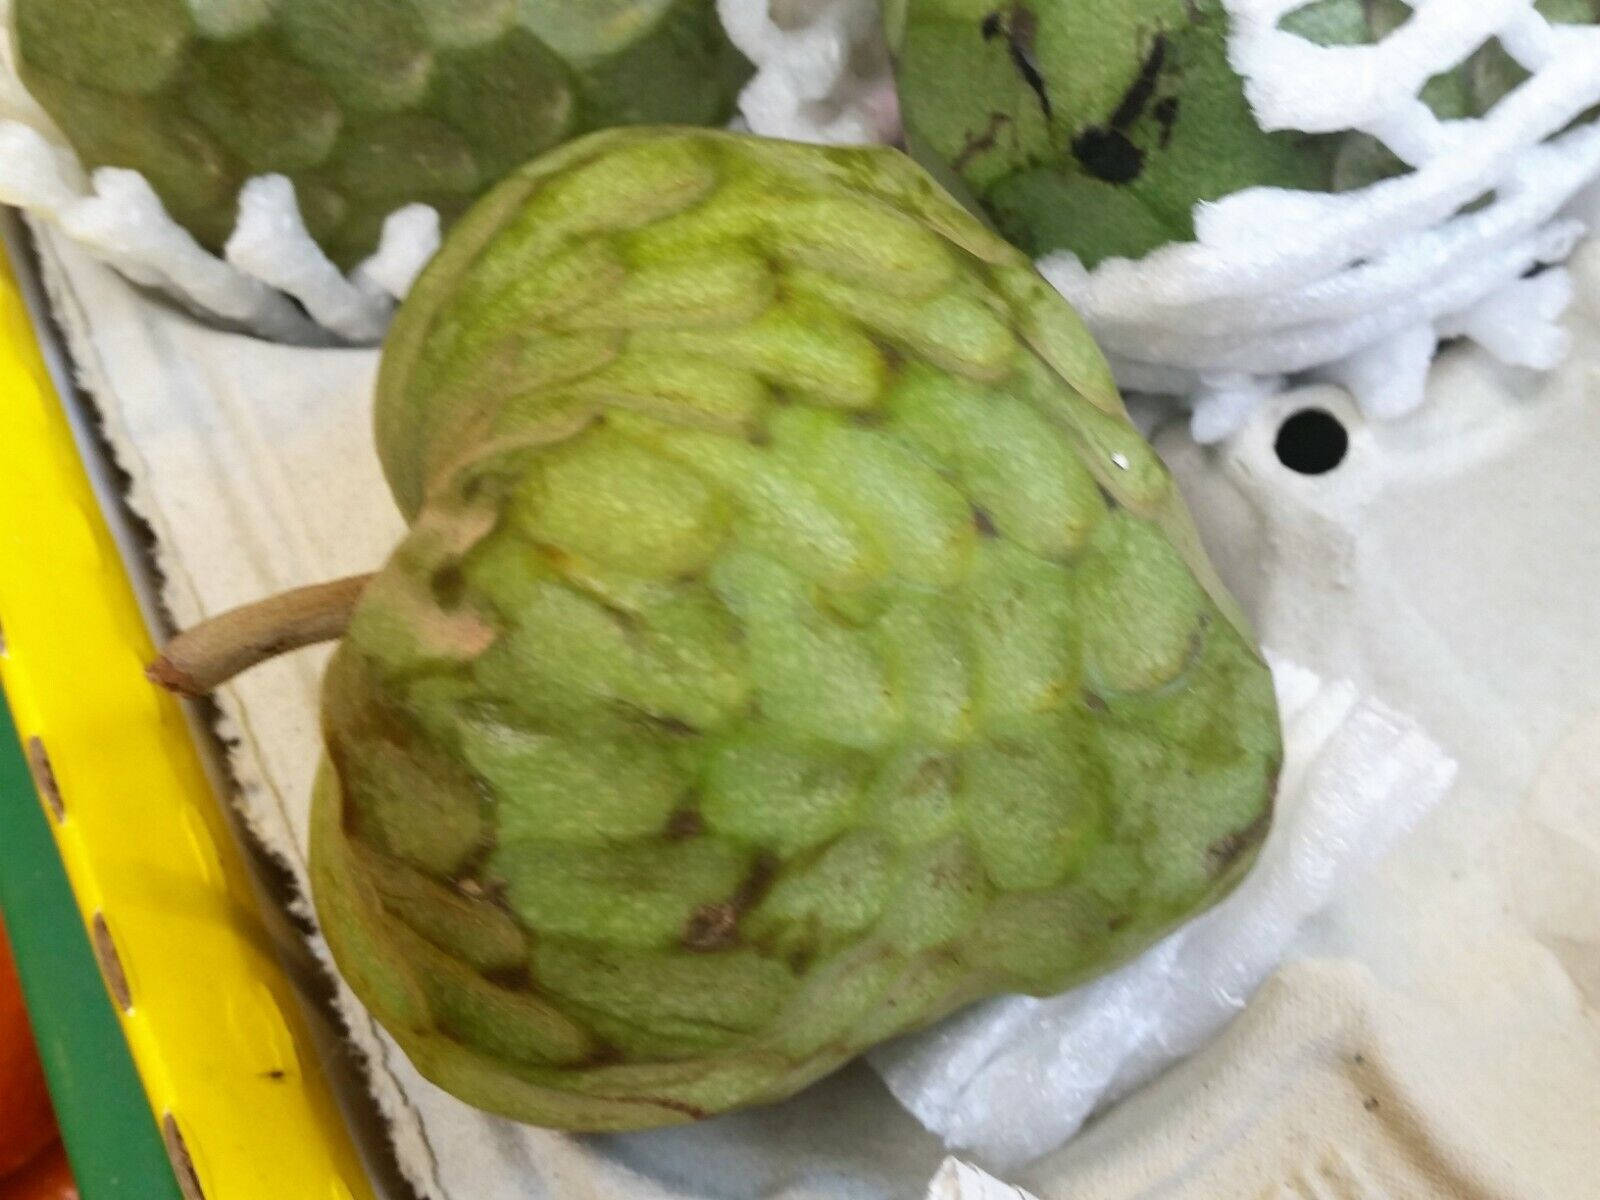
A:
{"points": [[793, 641], [367, 105]]}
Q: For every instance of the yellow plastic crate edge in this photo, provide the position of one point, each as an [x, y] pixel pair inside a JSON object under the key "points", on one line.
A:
{"points": [[213, 1024]]}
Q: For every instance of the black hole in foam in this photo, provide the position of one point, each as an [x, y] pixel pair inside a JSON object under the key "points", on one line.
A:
{"points": [[1312, 442]]}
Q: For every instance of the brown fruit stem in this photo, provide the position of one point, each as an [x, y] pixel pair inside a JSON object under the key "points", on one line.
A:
{"points": [[214, 651]]}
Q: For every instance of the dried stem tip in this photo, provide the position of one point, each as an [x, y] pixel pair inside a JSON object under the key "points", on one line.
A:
{"points": [[213, 652]]}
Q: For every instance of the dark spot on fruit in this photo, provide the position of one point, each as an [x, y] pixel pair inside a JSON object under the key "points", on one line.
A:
{"points": [[800, 960], [448, 585], [1120, 921], [514, 978], [1360, 1059], [984, 139], [1095, 702], [759, 437], [1370, 1104], [756, 883], [1229, 848], [1166, 112], [1137, 97], [671, 726], [1197, 643], [277, 1076], [983, 523], [1108, 154], [934, 774], [693, 1112], [1017, 24], [867, 418], [712, 927], [684, 823]]}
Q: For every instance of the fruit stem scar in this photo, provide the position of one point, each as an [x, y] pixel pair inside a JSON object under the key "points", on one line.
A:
{"points": [[209, 654]]}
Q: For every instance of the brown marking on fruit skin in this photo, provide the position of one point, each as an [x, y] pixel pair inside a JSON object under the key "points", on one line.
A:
{"points": [[1166, 112], [1106, 151], [1108, 154], [1227, 850], [715, 926], [516, 978], [1094, 702], [983, 523], [693, 1111], [448, 585], [675, 727], [985, 139], [1019, 26], [1140, 91], [684, 823], [711, 927], [933, 771]]}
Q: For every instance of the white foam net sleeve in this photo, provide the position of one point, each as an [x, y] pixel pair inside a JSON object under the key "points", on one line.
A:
{"points": [[272, 279], [822, 69], [1359, 287]]}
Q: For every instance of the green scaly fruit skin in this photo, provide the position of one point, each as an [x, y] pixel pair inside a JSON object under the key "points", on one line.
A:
{"points": [[793, 641], [367, 105], [1092, 126], [1096, 126]]}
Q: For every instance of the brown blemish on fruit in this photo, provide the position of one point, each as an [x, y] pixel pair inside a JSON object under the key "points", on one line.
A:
{"points": [[712, 927], [515, 978], [1140, 91], [984, 139], [1166, 113], [983, 523], [684, 823], [448, 585], [1019, 26], [1108, 154], [1228, 849], [715, 926]]}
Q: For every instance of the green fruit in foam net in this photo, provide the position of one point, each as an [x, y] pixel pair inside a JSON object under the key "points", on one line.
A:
{"points": [[367, 105], [1088, 125], [793, 642], [1097, 126]]}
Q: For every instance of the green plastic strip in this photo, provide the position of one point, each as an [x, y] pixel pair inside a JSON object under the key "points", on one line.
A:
{"points": [[111, 1140]]}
